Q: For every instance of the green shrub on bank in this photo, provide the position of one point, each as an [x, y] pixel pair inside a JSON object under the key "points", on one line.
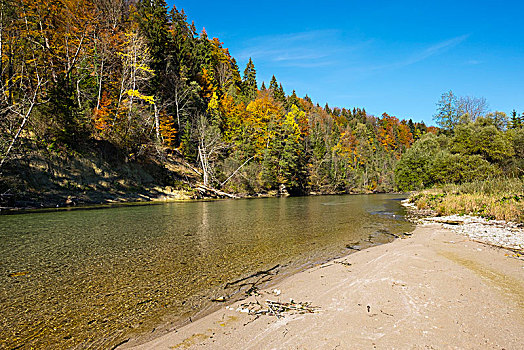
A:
{"points": [[474, 151]]}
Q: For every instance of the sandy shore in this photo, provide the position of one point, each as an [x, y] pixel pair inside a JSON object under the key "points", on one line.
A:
{"points": [[434, 290]]}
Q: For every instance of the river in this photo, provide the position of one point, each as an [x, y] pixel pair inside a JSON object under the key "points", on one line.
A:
{"points": [[94, 278]]}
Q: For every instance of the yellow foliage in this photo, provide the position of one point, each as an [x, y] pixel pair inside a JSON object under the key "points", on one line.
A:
{"points": [[213, 104], [233, 117], [137, 94], [206, 82], [263, 110]]}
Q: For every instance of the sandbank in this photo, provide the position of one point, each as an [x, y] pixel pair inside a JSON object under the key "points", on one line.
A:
{"points": [[435, 289]]}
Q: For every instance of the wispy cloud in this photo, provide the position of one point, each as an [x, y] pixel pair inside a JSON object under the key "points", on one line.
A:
{"points": [[417, 55], [434, 50], [318, 48], [473, 62], [329, 48]]}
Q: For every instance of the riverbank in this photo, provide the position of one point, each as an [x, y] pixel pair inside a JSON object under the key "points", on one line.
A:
{"points": [[493, 199], [104, 177], [435, 289]]}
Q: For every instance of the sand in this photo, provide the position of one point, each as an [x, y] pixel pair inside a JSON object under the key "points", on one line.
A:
{"points": [[433, 290]]}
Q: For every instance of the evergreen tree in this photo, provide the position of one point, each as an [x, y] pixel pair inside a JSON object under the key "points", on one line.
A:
{"points": [[411, 126], [280, 95], [292, 161], [236, 87], [273, 85], [515, 121], [308, 99], [277, 91], [249, 81], [153, 19], [293, 100], [204, 51]]}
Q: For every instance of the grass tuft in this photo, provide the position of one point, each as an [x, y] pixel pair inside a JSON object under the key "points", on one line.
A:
{"points": [[499, 198]]}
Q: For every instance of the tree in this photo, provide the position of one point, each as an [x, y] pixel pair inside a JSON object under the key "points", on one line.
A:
{"points": [[209, 146], [292, 161], [280, 95], [515, 121], [482, 139], [470, 108], [453, 110], [447, 116], [413, 171], [24, 74], [498, 119], [249, 81], [273, 84]]}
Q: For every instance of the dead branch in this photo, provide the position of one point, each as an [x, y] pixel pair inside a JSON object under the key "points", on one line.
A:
{"points": [[234, 172], [205, 189], [263, 272], [277, 308]]}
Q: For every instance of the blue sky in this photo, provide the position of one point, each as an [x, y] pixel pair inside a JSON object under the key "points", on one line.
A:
{"points": [[386, 56]]}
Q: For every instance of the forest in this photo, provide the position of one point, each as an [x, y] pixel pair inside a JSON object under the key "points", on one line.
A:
{"points": [[137, 78]]}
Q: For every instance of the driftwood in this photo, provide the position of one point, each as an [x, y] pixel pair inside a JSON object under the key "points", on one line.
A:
{"points": [[386, 232], [514, 250], [206, 189], [256, 274], [253, 289], [277, 308]]}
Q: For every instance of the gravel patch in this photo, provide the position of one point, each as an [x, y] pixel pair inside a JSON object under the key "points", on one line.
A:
{"points": [[494, 232]]}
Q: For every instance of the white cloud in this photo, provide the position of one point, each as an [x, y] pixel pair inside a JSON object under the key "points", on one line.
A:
{"points": [[416, 57], [318, 48]]}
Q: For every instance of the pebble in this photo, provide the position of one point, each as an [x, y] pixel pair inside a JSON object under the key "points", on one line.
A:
{"points": [[496, 232]]}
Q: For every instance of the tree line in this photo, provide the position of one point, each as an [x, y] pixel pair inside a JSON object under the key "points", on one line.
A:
{"points": [[473, 144], [138, 75]]}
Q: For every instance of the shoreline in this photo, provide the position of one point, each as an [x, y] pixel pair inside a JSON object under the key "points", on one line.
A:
{"points": [[283, 272], [139, 200], [414, 291]]}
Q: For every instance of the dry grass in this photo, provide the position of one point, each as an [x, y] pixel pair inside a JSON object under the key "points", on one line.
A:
{"points": [[501, 199]]}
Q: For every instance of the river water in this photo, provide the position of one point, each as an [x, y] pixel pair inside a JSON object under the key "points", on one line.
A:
{"points": [[93, 278]]}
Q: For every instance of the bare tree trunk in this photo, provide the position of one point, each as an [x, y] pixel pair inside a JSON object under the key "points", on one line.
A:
{"points": [[25, 117], [203, 162], [100, 84], [177, 108], [157, 123], [78, 93]]}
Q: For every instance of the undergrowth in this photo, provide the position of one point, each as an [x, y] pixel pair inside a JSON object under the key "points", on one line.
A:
{"points": [[499, 198]]}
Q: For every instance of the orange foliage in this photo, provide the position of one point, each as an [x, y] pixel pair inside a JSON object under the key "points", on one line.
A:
{"points": [[168, 130], [386, 132], [102, 115], [432, 129], [404, 135], [347, 146]]}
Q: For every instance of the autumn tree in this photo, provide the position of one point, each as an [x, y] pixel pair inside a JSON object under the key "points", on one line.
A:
{"points": [[23, 72]]}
